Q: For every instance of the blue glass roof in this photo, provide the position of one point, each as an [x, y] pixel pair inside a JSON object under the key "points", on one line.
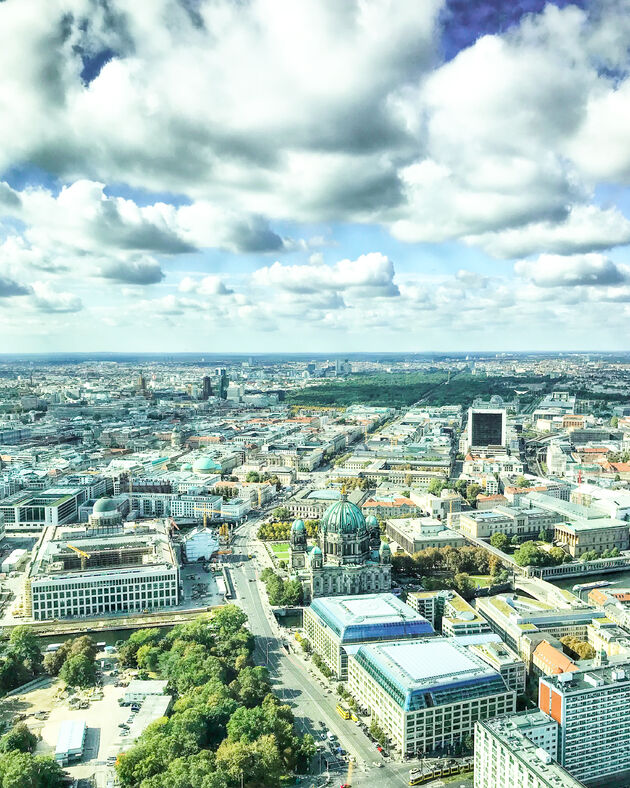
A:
{"points": [[373, 617], [419, 674]]}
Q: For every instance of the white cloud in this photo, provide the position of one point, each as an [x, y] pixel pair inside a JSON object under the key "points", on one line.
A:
{"points": [[46, 299], [550, 270], [586, 228], [208, 286], [370, 274]]}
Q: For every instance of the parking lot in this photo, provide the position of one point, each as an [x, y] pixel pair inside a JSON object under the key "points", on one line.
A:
{"points": [[103, 717], [199, 587]]}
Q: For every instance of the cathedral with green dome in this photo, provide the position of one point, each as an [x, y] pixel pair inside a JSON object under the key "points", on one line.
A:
{"points": [[348, 557]]}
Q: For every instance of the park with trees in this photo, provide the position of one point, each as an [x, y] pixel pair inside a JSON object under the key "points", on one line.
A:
{"points": [[450, 567], [226, 728]]}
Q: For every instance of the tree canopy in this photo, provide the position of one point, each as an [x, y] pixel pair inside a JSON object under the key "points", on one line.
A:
{"points": [[225, 720]]}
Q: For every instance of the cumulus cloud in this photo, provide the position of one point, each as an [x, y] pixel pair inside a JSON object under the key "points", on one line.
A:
{"points": [[208, 286], [142, 271], [9, 287], [46, 299], [370, 274], [550, 270], [587, 228]]}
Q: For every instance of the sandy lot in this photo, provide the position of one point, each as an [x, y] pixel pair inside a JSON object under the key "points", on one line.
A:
{"points": [[102, 718]]}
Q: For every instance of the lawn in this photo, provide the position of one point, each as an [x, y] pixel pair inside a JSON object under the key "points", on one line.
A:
{"points": [[281, 550], [481, 581]]}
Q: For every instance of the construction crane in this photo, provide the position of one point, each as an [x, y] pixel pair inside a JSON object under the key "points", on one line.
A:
{"points": [[207, 510], [84, 556]]}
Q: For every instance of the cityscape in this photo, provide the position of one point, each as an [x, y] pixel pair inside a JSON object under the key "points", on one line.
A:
{"points": [[210, 571], [314, 393]]}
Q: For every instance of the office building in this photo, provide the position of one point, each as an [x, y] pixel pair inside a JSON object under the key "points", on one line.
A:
{"points": [[592, 709], [523, 623], [332, 623], [486, 427], [73, 575], [518, 751], [426, 694]]}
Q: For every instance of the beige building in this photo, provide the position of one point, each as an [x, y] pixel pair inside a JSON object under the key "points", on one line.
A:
{"points": [[600, 535], [418, 533], [425, 694]]}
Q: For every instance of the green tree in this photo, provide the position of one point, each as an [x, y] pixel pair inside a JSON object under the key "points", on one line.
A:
{"points": [[251, 686], [252, 476], [529, 554], [472, 491], [464, 585], [257, 762], [23, 770], [542, 535], [436, 486], [500, 541], [18, 738], [127, 653], [293, 593], [78, 671], [24, 643], [305, 643], [559, 556], [281, 513]]}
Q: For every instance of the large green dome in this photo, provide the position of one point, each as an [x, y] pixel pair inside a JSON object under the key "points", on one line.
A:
{"points": [[206, 465], [343, 517], [104, 505]]}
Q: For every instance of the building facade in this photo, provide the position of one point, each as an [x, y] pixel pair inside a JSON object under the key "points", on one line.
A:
{"points": [[348, 557], [519, 751], [592, 709], [426, 694]]}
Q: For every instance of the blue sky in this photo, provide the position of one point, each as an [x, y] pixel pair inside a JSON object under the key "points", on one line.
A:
{"points": [[314, 175]]}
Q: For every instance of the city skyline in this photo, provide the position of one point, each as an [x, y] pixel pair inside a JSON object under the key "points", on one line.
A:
{"points": [[315, 177]]}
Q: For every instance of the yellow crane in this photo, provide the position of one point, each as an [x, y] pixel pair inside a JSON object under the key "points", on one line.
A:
{"points": [[84, 556], [207, 510]]}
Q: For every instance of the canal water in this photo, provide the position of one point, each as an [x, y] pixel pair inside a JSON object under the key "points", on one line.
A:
{"points": [[110, 638], [619, 579]]}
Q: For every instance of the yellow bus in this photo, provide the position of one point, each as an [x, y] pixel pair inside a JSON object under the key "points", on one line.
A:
{"points": [[343, 712]]}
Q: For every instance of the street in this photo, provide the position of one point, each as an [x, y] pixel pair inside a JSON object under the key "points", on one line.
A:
{"points": [[313, 705]]}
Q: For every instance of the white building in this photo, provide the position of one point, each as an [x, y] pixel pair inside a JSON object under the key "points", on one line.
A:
{"points": [[139, 689], [428, 693], [15, 560], [70, 741], [519, 751], [200, 544]]}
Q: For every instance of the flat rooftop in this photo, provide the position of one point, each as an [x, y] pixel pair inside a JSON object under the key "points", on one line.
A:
{"points": [[429, 672], [370, 617], [617, 673], [511, 732]]}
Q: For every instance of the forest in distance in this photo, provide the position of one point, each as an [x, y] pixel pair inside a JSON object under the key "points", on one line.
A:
{"points": [[401, 390]]}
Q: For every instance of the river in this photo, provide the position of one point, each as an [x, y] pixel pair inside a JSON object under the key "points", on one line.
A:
{"points": [[619, 579], [110, 637]]}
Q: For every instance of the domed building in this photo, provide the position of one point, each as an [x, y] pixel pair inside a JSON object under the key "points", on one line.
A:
{"points": [[206, 465], [348, 557], [105, 516]]}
